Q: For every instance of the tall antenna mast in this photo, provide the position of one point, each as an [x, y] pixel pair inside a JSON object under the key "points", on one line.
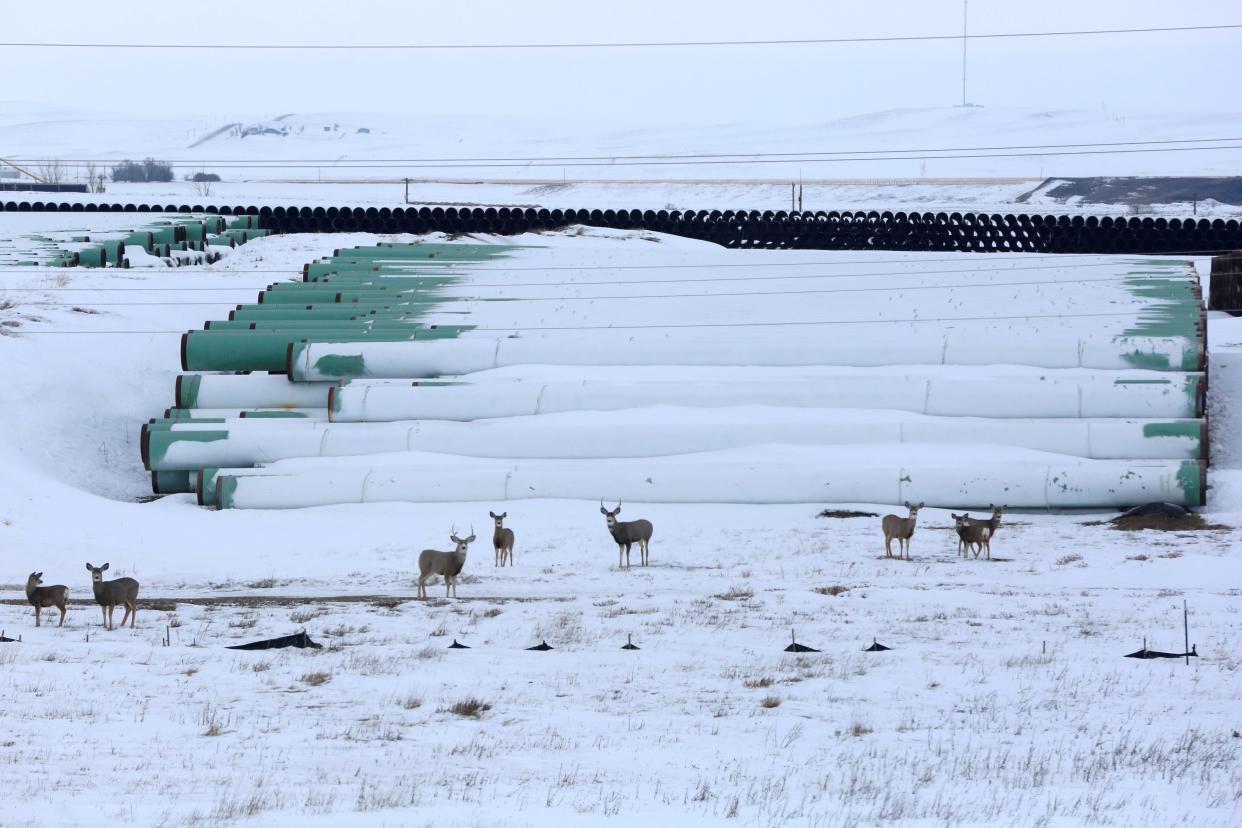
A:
{"points": [[965, 3]]}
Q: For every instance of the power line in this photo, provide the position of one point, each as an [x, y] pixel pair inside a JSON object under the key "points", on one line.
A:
{"points": [[657, 156], [680, 325], [613, 45], [541, 163], [813, 291], [380, 276]]}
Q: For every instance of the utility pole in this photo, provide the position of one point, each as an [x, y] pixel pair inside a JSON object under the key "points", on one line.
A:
{"points": [[964, 17]]}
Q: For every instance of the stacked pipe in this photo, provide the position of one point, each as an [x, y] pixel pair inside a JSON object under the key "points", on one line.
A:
{"points": [[822, 230], [174, 240], [390, 376]]}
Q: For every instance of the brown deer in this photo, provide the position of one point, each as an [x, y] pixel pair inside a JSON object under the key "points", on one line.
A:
{"points": [[627, 533], [446, 564], [987, 528], [970, 533], [502, 539], [901, 529], [46, 596], [108, 594]]}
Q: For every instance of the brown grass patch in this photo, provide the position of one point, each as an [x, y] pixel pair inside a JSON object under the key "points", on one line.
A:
{"points": [[316, 679], [1193, 522], [470, 708], [845, 513], [836, 589]]}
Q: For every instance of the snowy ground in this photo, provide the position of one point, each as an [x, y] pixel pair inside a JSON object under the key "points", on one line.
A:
{"points": [[1004, 701], [947, 158]]}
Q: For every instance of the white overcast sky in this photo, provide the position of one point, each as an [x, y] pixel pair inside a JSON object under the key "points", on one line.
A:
{"points": [[761, 85]]}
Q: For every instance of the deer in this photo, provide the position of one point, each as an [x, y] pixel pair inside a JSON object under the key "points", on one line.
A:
{"points": [[46, 596], [627, 533], [901, 529], [970, 532], [447, 564], [108, 594], [992, 524], [502, 539]]}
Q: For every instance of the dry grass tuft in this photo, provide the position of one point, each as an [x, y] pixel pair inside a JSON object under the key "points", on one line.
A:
{"points": [[766, 681], [835, 589], [1066, 560], [770, 702], [737, 593], [470, 708], [315, 679]]}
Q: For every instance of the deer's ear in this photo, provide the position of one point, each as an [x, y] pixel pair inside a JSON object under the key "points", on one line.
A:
{"points": [[922, 503], [493, 514], [88, 567], [602, 510], [105, 566], [504, 514]]}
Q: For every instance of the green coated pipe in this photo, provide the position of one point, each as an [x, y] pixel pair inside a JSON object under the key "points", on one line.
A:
{"points": [[173, 482], [264, 351]]}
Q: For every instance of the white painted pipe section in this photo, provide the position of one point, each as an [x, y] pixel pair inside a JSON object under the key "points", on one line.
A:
{"points": [[1044, 395], [768, 474], [659, 432], [794, 346], [242, 391], [302, 414]]}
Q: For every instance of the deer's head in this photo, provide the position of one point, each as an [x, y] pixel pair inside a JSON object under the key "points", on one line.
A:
{"points": [[610, 516], [914, 510], [96, 572], [462, 543], [959, 520], [996, 510], [35, 579], [499, 518]]}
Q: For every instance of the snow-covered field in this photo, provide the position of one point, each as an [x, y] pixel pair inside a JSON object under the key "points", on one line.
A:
{"points": [[946, 158], [1005, 698]]}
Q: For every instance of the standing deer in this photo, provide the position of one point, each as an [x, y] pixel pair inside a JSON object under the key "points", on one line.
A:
{"points": [[626, 533], [108, 594], [502, 539], [446, 564], [971, 532], [46, 596], [901, 529], [991, 525]]}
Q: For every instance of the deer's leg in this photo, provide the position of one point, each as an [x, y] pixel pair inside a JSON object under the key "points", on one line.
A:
{"points": [[620, 555], [422, 586], [888, 547], [37, 622], [62, 615]]}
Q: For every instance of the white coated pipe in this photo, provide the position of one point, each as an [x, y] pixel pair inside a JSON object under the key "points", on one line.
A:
{"points": [[1046, 395], [768, 474], [316, 361], [659, 432]]}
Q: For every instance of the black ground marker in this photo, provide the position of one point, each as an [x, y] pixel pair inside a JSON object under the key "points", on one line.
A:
{"points": [[629, 643], [795, 647], [296, 640], [876, 647], [456, 646], [541, 647], [4, 639], [1146, 653]]}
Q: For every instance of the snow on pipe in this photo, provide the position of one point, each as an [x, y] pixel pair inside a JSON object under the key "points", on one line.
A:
{"points": [[661, 432], [770, 474], [1104, 395], [316, 361]]}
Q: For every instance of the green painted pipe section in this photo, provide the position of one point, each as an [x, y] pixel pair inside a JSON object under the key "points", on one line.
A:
{"points": [[221, 241], [264, 351], [173, 482], [369, 323], [256, 313]]}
